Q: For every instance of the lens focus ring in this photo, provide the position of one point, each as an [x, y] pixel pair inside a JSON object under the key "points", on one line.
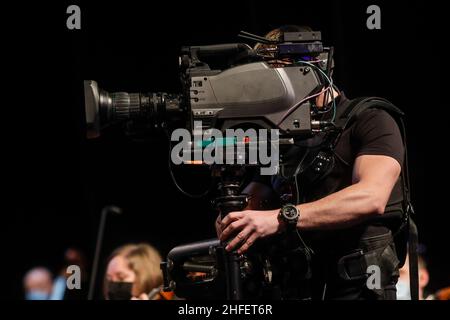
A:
{"points": [[125, 105]]}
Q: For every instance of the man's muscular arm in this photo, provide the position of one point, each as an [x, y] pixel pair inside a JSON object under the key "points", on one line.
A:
{"points": [[374, 177]]}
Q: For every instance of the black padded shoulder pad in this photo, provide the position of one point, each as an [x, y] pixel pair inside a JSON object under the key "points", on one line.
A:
{"points": [[349, 112]]}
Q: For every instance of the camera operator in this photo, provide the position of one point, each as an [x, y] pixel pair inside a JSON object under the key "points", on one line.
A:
{"points": [[350, 216]]}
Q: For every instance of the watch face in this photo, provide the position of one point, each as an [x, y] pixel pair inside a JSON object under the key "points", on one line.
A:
{"points": [[290, 212]]}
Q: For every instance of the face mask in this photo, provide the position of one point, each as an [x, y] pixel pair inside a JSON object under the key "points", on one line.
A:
{"points": [[36, 295], [403, 292], [119, 290]]}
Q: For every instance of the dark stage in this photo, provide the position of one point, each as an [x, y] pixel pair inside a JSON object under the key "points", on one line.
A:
{"points": [[57, 182]]}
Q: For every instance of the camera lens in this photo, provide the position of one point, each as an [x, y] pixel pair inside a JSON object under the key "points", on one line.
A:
{"points": [[104, 108], [125, 105]]}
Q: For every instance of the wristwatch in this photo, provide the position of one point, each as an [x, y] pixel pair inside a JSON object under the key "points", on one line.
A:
{"points": [[289, 214]]}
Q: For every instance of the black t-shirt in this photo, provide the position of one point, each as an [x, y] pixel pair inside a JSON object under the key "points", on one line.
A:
{"points": [[375, 132]]}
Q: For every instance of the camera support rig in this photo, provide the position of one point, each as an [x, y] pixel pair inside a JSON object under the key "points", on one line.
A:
{"points": [[230, 200], [226, 86]]}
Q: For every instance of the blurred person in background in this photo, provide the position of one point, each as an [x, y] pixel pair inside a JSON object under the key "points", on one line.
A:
{"points": [[133, 272], [38, 284]]}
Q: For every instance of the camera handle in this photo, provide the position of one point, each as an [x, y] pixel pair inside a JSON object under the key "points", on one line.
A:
{"points": [[230, 199]]}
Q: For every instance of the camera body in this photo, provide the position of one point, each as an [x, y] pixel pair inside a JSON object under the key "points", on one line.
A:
{"points": [[225, 86], [252, 95]]}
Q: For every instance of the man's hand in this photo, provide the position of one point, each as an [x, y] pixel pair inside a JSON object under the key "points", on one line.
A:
{"points": [[248, 226]]}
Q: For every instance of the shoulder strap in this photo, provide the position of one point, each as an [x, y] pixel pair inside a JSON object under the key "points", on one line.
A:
{"points": [[348, 114]]}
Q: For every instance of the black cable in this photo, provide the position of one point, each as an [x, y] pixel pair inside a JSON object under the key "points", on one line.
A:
{"points": [[297, 171], [340, 158], [328, 73], [175, 182], [308, 251]]}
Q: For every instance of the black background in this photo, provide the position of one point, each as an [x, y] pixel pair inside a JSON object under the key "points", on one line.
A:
{"points": [[55, 182]]}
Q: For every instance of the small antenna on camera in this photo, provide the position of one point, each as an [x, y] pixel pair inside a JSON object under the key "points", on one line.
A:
{"points": [[254, 37]]}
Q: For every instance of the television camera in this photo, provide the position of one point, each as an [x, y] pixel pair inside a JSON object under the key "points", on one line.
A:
{"points": [[232, 86]]}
